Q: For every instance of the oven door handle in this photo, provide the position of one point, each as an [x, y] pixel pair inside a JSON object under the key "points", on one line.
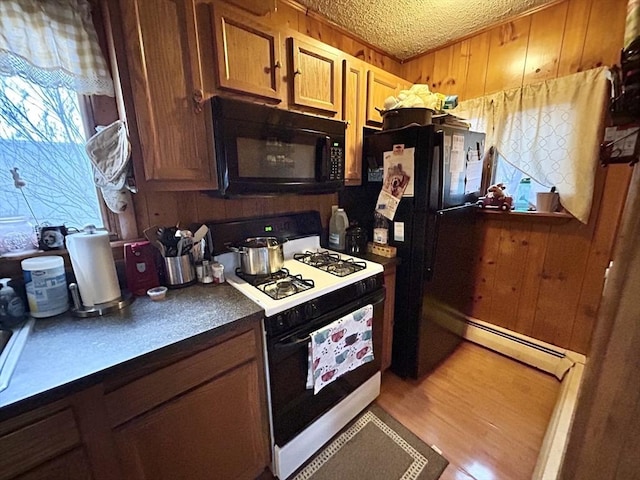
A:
{"points": [[295, 341]]}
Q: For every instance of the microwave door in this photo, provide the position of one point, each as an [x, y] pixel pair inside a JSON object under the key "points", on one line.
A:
{"points": [[296, 160]]}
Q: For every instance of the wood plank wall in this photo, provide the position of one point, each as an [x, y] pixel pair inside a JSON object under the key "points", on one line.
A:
{"points": [[168, 208], [540, 278]]}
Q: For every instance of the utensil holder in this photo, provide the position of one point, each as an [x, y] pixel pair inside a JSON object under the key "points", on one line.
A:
{"points": [[179, 271]]}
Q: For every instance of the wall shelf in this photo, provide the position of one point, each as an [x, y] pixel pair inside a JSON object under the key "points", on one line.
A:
{"points": [[531, 215]]}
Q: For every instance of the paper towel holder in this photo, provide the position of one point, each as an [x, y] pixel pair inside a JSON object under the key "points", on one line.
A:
{"points": [[99, 309]]}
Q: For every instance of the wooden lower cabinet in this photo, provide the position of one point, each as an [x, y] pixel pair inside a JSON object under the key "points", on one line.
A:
{"points": [[193, 416], [209, 432], [44, 443], [70, 465], [202, 417]]}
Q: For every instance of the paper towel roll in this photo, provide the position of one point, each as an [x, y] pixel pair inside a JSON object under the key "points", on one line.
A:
{"points": [[93, 266]]}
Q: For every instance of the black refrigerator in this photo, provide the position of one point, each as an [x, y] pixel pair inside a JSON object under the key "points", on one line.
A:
{"points": [[434, 230]]}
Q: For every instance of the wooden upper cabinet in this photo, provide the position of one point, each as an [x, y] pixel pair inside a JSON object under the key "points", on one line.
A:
{"points": [[315, 76], [248, 54], [380, 85], [353, 112], [161, 50]]}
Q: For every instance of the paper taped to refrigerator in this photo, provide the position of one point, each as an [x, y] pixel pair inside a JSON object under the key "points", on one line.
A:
{"points": [[398, 179], [474, 172]]}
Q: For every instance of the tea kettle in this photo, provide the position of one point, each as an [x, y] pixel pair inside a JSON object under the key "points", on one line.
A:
{"points": [[355, 240]]}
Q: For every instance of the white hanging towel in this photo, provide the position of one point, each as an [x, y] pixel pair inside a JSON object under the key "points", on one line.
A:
{"points": [[109, 151], [340, 347]]}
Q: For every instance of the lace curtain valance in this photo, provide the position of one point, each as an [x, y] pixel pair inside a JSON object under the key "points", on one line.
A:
{"points": [[53, 43], [549, 130]]}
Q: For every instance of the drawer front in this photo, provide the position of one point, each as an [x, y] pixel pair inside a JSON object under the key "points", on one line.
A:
{"points": [[158, 387], [36, 443]]}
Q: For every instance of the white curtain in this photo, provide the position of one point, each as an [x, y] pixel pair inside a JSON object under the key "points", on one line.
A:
{"points": [[549, 130], [53, 43]]}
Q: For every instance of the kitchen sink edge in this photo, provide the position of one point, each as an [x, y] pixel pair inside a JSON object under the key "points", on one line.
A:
{"points": [[12, 349]]}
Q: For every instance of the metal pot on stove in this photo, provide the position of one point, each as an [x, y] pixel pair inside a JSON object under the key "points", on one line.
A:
{"points": [[260, 255]]}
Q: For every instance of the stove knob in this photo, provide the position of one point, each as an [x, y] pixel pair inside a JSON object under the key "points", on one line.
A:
{"points": [[280, 322], [310, 309], [294, 316], [361, 288]]}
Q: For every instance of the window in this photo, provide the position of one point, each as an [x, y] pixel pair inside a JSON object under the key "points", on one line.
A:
{"points": [[551, 130], [41, 134], [508, 174]]}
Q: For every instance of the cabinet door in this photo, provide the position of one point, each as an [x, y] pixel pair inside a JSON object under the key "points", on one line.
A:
{"points": [[315, 76], [248, 55], [213, 431], [43, 443], [353, 112], [161, 49], [381, 85], [72, 465]]}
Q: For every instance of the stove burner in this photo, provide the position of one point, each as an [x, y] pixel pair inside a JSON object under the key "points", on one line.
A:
{"points": [[278, 285], [331, 262], [285, 287]]}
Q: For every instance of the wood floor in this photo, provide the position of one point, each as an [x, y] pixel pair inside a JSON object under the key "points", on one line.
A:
{"points": [[486, 412]]}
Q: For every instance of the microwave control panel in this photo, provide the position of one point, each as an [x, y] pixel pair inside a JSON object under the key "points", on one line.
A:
{"points": [[336, 163]]}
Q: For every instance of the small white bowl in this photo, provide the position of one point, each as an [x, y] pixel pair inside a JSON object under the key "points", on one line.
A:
{"points": [[157, 293]]}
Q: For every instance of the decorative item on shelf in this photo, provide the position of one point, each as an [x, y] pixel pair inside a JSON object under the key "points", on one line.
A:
{"points": [[51, 237], [496, 198], [621, 145], [625, 79], [17, 236]]}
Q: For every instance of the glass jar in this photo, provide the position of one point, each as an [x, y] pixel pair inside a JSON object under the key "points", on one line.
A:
{"points": [[17, 236]]}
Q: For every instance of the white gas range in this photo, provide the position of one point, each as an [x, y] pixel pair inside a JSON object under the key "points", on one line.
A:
{"points": [[319, 288], [322, 280]]}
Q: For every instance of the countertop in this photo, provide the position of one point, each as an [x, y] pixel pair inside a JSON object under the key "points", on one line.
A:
{"points": [[64, 353]]}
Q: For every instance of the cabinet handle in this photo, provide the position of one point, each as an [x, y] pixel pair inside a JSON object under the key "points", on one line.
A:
{"points": [[297, 72], [198, 100], [277, 65], [199, 97]]}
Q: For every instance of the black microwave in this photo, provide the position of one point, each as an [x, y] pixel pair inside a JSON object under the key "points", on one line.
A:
{"points": [[264, 150]]}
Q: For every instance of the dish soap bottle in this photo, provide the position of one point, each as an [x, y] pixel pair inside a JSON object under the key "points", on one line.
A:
{"points": [[337, 229], [522, 201]]}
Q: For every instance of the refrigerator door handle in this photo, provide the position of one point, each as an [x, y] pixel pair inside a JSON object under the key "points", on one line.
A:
{"points": [[431, 263]]}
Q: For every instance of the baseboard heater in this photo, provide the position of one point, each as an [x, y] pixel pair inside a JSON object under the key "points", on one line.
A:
{"points": [[565, 365], [536, 353]]}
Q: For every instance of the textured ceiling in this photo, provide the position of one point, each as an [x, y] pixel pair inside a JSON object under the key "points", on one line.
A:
{"points": [[404, 28]]}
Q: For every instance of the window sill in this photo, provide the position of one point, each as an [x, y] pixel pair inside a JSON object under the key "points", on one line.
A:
{"points": [[117, 248], [531, 215]]}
